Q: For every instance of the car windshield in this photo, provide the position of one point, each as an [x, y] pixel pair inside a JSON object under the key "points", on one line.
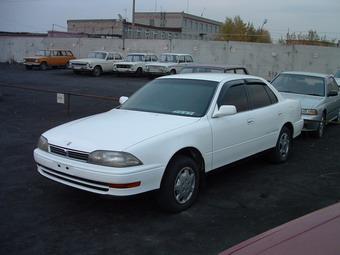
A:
{"points": [[135, 58], [100, 55], [173, 96], [168, 58], [300, 84], [337, 74], [41, 53]]}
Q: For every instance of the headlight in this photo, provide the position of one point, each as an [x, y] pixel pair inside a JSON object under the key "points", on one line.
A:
{"points": [[113, 159], [43, 143], [309, 111]]}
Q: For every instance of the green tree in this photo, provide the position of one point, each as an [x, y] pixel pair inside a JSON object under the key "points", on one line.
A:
{"points": [[235, 29]]}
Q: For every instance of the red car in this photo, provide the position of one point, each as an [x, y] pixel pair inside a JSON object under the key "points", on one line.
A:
{"points": [[317, 233]]}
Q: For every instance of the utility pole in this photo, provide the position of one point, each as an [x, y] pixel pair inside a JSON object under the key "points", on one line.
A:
{"points": [[133, 12]]}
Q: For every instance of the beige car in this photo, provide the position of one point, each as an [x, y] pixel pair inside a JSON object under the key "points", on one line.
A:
{"points": [[44, 59]]}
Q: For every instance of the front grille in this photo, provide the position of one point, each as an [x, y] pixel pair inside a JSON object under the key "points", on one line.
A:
{"points": [[79, 64], [78, 155], [29, 59], [123, 66]]}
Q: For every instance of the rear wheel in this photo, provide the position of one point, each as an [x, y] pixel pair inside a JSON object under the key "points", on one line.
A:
{"points": [[180, 184], [43, 66], [97, 71], [281, 152]]}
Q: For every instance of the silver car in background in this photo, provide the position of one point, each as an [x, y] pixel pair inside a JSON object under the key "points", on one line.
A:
{"points": [[337, 77], [318, 95]]}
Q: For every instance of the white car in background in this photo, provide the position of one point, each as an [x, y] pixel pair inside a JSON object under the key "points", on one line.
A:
{"points": [[97, 62], [169, 134], [134, 63], [169, 63]]}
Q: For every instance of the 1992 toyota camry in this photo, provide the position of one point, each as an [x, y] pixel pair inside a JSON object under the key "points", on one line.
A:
{"points": [[169, 134]]}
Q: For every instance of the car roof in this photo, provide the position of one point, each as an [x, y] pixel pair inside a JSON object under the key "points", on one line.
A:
{"points": [[213, 66], [58, 49], [218, 77], [321, 75], [139, 53], [177, 54]]}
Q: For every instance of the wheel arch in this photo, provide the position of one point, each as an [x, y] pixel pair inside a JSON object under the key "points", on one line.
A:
{"points": [[193, 153]]}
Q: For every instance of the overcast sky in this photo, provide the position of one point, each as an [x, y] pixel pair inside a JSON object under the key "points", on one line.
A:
{"points": [[298, 16]]}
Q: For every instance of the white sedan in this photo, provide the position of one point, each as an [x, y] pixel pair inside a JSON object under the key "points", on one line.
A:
{"points": [[169, 134]]}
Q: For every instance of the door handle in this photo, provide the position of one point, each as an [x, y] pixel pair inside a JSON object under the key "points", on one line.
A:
{"points": [[250, 121]]}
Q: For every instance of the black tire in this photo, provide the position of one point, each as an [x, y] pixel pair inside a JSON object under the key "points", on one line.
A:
{"points": [[43, 66], [280, 153], [180, 185], [28, 67], [139, 71], [97, 71], [321, 128], [173, 71]]}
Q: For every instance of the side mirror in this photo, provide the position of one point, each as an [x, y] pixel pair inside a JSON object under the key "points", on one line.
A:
{"points": [[123, 99], [224, 110], [332, 93]]}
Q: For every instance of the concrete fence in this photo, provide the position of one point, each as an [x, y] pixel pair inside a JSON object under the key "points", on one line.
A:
{"points": [[265, 60]]}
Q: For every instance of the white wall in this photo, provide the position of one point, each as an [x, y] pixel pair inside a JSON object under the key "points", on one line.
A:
{"points": [[261, 59]]}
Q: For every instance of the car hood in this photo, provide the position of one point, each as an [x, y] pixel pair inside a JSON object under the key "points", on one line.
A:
{"points": [[162, 64], [307, 102], [115, 130], [87, 60], [129, 63]]}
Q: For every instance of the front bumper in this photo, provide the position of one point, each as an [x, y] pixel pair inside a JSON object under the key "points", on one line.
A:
{"points": [[98, 179], [81, 68], [124, 70], [31, 63], [311, 123]]}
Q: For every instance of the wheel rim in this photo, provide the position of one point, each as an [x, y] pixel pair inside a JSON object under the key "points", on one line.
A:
{"points": [[184, 185], [96, 71], [284, 145]]}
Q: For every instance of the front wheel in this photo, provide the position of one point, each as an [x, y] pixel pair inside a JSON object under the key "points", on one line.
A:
{"points": [[321, 128], [180, 185], [173, 71], [281, 151], [43, 66], [97, 71]]}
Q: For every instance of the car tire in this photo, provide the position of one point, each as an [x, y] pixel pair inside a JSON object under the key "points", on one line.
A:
{"points": [[180, 185], [139, 71], [321, 128], [43, 66], [281, 151], [173, 71], [97, 71]]}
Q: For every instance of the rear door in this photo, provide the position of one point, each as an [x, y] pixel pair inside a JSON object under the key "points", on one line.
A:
{"points": [[266, 115], [333, 102]]}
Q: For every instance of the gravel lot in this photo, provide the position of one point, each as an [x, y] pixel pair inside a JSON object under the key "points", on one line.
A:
{"points": [[39, 216]]}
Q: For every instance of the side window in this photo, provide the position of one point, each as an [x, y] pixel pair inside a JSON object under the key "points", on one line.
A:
{"points": [[234, 95], [110, 56], [118, 57], [188, 59], [69, 53], [333, 86], [271, 95], [154, 58], [147, 58], [258, 95], [181, 59]]}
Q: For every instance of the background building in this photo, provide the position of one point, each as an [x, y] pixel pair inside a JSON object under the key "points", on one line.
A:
{"points": [[149, 25]]}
